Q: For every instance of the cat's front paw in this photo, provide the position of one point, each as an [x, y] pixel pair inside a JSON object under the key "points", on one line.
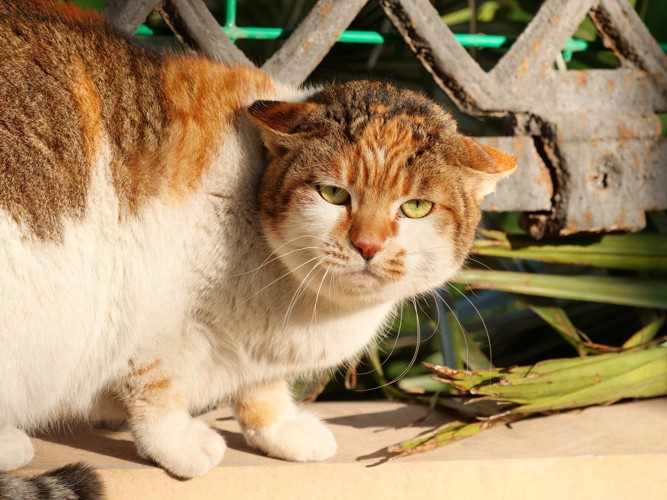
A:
{"points": [[16, 450], [299, 437], [184, 446]]}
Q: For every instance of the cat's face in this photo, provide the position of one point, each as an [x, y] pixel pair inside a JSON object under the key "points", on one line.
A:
{"points": [[371, 195]]}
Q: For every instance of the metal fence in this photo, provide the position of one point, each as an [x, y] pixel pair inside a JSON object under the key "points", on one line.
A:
{"points": [[591, 157]]}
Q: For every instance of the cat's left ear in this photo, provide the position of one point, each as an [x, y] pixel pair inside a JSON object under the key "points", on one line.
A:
{"points": [[279, 121], [490, 165]]}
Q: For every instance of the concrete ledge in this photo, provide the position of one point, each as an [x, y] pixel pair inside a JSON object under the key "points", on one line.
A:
{"points": [[612, 452]]}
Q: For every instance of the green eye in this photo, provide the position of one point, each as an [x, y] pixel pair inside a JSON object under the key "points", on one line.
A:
{"points": [[416, 209], [335, 195]]}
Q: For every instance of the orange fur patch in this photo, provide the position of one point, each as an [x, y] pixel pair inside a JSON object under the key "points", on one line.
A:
{"points": [[158, 385], [147, 392], [202, 100], [140, 372], [261, 407], [90, 112]]}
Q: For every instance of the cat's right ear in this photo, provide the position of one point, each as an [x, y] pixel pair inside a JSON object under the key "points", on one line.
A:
{"points": [[280, 121]]}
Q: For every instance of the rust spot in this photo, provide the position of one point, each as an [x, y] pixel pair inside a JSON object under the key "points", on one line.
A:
{"points": [[326, 10], [581, 78], [537, 47], [523, 69], [519, 146], [588, 217], [544, 178], [555, 20], [625, 132], [611, 86], [600, 179], [620, 219], [630, 78]]}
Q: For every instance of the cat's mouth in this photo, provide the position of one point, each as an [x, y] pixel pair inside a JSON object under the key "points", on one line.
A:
{"points": [[367, 276]]}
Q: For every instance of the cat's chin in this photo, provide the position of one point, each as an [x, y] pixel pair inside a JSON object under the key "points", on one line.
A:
{"points": [[361, 289]]}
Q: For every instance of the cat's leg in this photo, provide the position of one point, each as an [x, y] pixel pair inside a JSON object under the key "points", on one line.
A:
{"points": [[274, 424], [163, 429], [16, 450], [107, 412]]}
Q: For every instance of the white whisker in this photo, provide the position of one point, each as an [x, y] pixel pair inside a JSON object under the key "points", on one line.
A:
{"points": [[486, 331], [281, 277], [463, 332], [393, 347], [412, 361], [266, 263], [479, 262], [301, 289], [277, 249], [317, 295], [426, 250]]}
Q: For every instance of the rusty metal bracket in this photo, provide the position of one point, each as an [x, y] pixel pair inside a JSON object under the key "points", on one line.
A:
{"points": [[590, 153]]}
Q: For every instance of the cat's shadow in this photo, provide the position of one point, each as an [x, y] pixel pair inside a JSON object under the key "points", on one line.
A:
{"points": [[110, 443], [399, 418], [405, 416], [98, 441], [119, 445]]}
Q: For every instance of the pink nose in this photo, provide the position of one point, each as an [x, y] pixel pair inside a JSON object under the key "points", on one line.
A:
{"points": [[367, 249]]}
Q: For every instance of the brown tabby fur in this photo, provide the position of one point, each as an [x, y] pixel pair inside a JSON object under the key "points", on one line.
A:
{"points": [[162, 137]]}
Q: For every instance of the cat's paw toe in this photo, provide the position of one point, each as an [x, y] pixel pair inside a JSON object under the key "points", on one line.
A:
{"points": [[16, 450], [182, 445], [298, 438]]}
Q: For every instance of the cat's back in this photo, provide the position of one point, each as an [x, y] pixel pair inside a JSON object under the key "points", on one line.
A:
{"points": [[71, 89], [82, 111]]}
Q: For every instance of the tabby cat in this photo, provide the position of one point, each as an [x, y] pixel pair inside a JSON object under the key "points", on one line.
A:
{"points": [[175, 232]]}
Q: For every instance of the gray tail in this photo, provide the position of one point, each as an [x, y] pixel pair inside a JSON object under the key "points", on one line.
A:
{"points": [[72, 482]]}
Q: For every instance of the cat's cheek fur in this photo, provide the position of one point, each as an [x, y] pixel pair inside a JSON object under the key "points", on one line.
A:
{"points": [[430, 255], [301, 242]]}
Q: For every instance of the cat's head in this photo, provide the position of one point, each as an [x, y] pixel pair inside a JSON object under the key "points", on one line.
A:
{"points": [[371, 194]]}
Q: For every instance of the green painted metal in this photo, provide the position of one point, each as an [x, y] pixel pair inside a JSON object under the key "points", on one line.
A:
{"points": [[373, 37], [230, 13], [479, 41]]}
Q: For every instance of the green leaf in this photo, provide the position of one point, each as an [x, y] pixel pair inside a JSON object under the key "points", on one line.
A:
{"points": [[420, 384], [644, 379], [446, 434], [567, 382], [647, 333], [651, 293], [551, 385], [559, 321], [638, 252]]}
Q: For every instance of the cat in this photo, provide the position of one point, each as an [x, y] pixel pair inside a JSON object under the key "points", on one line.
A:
{"points": [[176, 232]]}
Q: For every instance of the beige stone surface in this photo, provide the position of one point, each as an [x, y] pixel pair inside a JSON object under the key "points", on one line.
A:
{"points": [[611, 452]]}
